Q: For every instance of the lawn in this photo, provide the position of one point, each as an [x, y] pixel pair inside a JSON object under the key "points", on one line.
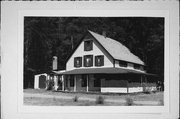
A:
{"points": [[64, 102], [54, 98]]}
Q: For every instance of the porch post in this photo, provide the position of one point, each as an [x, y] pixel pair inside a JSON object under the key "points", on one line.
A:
{"points": [[74, 83], [62, 82], [55, 82], [87, 88], [48, 78]]}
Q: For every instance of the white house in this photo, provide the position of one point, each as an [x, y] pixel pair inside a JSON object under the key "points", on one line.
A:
{"points": [[102, 64]]}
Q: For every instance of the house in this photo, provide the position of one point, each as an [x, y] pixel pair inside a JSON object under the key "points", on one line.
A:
{"points": [[101, 64]]}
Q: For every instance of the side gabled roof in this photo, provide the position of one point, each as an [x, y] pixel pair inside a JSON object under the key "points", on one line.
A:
{"points": [[116, 49]]}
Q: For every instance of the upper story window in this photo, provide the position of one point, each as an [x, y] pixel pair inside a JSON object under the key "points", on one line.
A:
{"points": [[99, 60], [88, 45], [137, 66], [88, 60], [78, 62], [122, 63]]}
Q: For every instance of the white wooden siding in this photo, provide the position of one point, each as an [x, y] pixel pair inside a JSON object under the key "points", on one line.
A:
{"points": [[97, 50]]}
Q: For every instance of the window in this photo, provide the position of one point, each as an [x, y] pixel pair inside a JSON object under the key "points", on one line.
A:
{"points": [[88, 45], [142, 68], [88, 60], [99, 60], [78, 62], [71, 81], [97, 83], [122, 63], [84, 81], [136, 66]]}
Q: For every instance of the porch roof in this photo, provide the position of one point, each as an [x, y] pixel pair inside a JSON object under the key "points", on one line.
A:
{"points": [[102, 71]]}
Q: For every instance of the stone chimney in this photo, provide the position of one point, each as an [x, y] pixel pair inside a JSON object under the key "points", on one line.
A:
{"points": [[54, 67], [104, 33]]}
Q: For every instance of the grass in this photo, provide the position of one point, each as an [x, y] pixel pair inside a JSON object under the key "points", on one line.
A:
{"points": [[100, 100], [63, 102], [135, 96], [75, 101], [129, 101]]}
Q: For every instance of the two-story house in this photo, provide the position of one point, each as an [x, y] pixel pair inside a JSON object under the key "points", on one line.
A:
{"points": [[102, 64]]}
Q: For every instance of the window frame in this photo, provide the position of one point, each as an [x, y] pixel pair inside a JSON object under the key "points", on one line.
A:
{"points": [[88, 48], [137, 66], [91, 62], [123, 63], [75, 64], [101, 57]]}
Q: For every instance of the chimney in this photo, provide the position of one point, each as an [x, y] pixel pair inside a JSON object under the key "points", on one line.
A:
{"points": [[54, 63], [104, 33]]}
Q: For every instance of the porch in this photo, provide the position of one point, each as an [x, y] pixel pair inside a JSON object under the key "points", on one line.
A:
{"points": [[108, 80]]}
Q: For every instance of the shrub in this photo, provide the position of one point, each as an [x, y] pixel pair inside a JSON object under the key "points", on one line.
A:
{"points": [[100, 100], [129, 101], [161, 102], [147, 92], [154, 91], [49, 84], [75, 99]]}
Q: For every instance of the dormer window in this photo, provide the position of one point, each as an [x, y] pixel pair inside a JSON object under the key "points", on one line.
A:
{"points": [[142, 68], [88, 60], [137, 66], [122, 64], [99, 60], [78, 62], [88, 45]]}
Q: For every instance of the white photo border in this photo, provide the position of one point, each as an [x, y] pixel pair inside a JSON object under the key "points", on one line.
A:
{"points": [[94, 13], [21, 110]]}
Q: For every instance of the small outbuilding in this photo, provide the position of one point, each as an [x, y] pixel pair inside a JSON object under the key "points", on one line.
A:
{"points": [[40, 81]]}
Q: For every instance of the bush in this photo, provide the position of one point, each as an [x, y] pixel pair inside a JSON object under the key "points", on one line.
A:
{"points": [[129, 101], [147, 92], [161, 102], [100, 100], [75, 99], [49, 84]]}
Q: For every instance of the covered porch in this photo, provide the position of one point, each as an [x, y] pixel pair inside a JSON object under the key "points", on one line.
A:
{"points": [[107, 80]]}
